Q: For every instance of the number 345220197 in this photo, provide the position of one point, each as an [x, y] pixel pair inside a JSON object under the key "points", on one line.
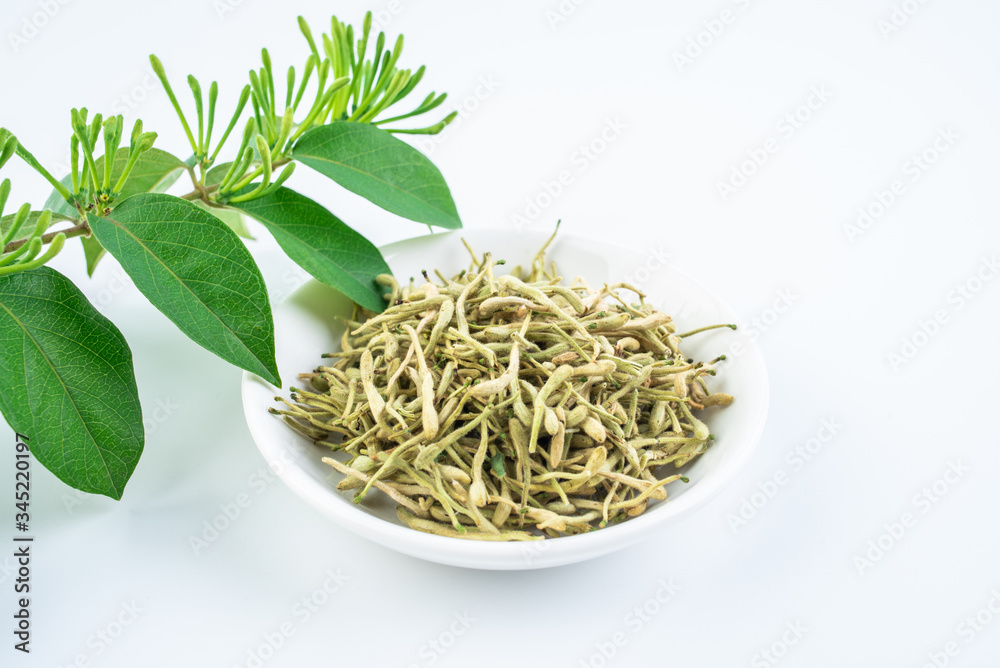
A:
{"points": [[22, 484]]}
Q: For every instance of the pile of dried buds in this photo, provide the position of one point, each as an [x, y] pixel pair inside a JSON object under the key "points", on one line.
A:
{"points": [[486, 405]]}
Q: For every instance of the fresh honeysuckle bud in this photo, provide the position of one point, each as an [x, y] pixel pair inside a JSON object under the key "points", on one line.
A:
{"points": [[240, 106], [307, 32], [136, 133], [96, 124], [213, 98], [19, 218], [4, 194], [8, 150], [161, 74]]}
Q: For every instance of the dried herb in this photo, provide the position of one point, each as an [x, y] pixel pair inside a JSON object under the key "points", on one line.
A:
{"points": [[509, 407]]}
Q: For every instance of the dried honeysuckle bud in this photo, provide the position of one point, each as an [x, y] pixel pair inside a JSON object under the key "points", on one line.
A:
{"points": [[547, 426], [626, 343], [717, 399], [551, 422], [363, 463], [595, 430], [477, 493], [566, 358], [637, 510], [454, 473], [657, 417], [681, 384]]}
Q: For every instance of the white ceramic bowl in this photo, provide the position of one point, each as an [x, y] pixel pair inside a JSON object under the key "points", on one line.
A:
{"points": [[306, 326]]}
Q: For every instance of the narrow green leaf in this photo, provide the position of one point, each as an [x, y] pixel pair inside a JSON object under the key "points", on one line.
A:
{"points": [[321, 244], [198, 273], [384, 170], [29, 225], [69, 384], [93, 251]]}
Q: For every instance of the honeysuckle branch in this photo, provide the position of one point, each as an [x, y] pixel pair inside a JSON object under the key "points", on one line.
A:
{"points": [[79, 230]]}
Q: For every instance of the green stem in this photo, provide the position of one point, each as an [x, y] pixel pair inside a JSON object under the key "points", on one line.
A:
{"points": [[704, 329]]}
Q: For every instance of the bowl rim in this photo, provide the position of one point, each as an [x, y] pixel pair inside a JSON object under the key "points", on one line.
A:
{"points": [[496, 555]]}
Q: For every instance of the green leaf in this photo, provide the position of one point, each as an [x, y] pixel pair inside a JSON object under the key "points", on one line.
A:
{"points": [[57, 205], [216, 174], [29, 225], [498, 466], [372, 163], [93, 251], [154, 171], [68, 382], [231, 217], [321, 244], [197, 273]]}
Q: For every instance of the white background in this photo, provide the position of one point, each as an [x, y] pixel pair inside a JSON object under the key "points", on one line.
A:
{"points": [[556, 84]]}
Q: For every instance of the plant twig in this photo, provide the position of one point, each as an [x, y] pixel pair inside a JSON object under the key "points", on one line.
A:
{"points": [[80, 230]]}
